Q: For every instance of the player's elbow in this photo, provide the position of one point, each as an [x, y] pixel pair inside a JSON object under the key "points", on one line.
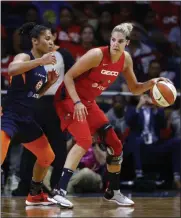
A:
{"points": [[11, 70], [67, 78]]}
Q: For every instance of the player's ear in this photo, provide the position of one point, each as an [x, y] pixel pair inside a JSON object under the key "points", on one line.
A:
{"points": [[127, 43], [34, 41]]}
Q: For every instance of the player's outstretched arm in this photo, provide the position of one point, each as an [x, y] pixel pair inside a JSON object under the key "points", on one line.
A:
{"points": [[22, 63], [134, 86]]}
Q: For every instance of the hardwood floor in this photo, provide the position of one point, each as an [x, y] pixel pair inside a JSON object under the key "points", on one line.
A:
{"points": [[94, 207]]}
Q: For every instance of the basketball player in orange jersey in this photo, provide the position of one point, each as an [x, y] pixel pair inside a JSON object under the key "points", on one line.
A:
{"points": [[81, 116], [27, 84]]}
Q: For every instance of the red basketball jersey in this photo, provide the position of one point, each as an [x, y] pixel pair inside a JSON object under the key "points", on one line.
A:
{"points": [[92, 83]]}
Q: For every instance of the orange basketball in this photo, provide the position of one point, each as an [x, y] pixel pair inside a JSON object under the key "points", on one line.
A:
{"points": [[163, 94]]}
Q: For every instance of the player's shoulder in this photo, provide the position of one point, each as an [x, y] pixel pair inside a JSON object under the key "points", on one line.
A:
{"points": [[22, 56], [127, 55], [128, 59], [95, 51], [95, 54]]}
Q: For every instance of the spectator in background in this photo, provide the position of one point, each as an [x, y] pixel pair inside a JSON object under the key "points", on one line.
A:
{"points": [[168, 14], [12, 13], [89, 177], [175, 40], [90, 10], [156, 37], [49, 11], [124, 14], [68, 33], [155, 69], [147, 127], [141, 53], [116, 116], [174, 37], [105, 27], [6, 59], [81, 18], [174, 119], [87, 41], [21, 44]]}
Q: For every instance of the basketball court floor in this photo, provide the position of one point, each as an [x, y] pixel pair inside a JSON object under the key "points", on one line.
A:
{"points": [[157, 204]]}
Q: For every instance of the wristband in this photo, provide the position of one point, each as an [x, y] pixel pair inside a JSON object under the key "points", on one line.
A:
{"points": [[77, 102]]}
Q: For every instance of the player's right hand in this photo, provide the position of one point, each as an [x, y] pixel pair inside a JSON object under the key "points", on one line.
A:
{"points": [[80, 112], [155, 80], [48, 58]]}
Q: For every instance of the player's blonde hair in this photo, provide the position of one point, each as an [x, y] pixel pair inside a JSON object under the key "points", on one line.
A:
{"points": [[124, 28]]}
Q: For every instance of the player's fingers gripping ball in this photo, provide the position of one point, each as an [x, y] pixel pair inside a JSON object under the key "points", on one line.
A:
{"points": [[163, 94]]}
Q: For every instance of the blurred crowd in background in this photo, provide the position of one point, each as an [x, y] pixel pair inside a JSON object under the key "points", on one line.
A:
{"points": [[151, 135]]}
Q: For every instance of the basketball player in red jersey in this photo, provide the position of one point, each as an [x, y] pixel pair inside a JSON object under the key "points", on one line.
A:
{"points": [[81, 116]]}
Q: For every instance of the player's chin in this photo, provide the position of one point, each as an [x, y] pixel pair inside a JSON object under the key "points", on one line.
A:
{"points": [[50, 49], [115, 51]]}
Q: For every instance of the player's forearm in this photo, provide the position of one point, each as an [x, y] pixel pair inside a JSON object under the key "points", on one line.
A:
{"points": [[43, 89], [140, 88], [70, 86], [17, 68]]}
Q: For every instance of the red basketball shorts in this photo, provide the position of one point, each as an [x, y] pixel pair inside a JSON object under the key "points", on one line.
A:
{"points": [[83, 131]]}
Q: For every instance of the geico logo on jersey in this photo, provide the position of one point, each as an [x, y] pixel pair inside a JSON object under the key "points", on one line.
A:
{"points": [[109, 73]]}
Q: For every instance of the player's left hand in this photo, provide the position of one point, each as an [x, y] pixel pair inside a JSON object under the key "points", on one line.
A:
{"points": [[52, 76], [80, 112]]}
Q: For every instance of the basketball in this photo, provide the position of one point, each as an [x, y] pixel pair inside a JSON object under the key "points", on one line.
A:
{"points": [[163, 94]]}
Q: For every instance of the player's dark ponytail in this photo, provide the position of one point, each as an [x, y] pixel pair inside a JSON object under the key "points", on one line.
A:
{"points": [[32, 29]]}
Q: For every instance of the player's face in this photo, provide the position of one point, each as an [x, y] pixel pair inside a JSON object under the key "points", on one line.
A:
{"points": [[117, 43], [45, 42]]}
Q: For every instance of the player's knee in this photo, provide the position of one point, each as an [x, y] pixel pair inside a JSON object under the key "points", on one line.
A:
{"points": [[117, 147], [46, 158], [84, 142], [114, 146], [113, 142], [115, 153]]}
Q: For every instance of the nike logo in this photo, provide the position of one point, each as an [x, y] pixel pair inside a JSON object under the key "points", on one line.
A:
{"points": [[159, 98], [105, 64]]}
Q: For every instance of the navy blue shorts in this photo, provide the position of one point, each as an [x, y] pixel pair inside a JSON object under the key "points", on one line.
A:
{"points": [[21, 128]]}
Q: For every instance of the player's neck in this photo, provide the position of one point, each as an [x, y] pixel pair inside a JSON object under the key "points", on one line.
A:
{"points": [[36, 53], [115, 57]]}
